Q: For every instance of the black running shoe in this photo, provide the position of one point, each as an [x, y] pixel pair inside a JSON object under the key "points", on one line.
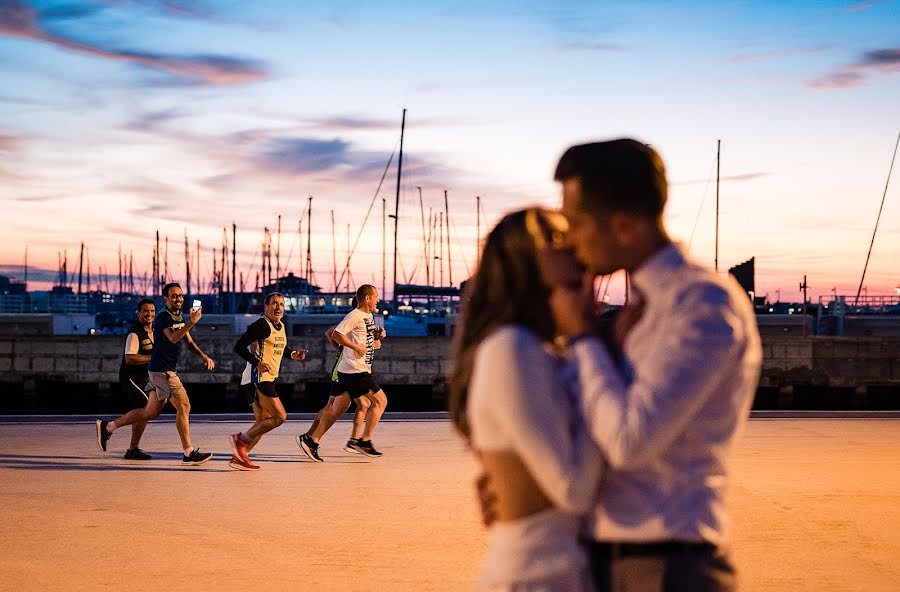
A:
{"points": [[349, 446], [136, 454], [365, 447], [102, 435], [196, 457], [309, 448]]}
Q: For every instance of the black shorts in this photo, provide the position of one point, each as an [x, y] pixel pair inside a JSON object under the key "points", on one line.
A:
{"points": [[133, 390], [357, 385], [250, 391], [337, 389]]}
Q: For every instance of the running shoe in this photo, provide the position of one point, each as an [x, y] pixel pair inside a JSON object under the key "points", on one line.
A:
{"points": [[240, 465], [309, 448], [349, 446], [240, 448], [365, 447], [102, 435], [136, 454], [196, 457]]}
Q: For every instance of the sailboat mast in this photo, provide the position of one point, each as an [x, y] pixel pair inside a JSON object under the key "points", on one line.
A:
{"points": [[424, 239], [449, 258], [334, 279], [187, 262], [718, 158], [878, 219], [278, 250], [397, 205], [383, 246], [199, 285], [80, 266], [348, 257], [309, 246]]}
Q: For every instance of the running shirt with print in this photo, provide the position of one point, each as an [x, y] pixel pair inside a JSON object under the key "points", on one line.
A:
{"points": [[266, 342], [334, 369], [358, 327]]}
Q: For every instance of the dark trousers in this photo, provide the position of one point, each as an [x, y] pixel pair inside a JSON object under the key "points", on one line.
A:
{"points": [[667, 566]]}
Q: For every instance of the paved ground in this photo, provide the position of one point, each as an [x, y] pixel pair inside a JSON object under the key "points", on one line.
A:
{"points": [[816, 506]]}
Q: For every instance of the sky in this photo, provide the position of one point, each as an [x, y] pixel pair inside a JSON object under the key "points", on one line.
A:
{"points": [[119, 118]]}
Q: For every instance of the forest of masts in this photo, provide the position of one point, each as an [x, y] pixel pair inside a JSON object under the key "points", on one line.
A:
{"points": [[222, 274]]}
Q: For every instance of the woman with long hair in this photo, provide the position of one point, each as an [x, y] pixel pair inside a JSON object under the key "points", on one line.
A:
{"points": [[513, 402]]}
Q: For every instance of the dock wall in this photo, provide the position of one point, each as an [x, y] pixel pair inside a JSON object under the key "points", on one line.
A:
{"points": [[858, 371]]}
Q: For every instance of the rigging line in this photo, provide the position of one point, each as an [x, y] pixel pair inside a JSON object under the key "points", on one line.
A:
{"points": [[403, 269], [700, 209], [296, 240], [462, 251], [872, 243], [415, 267], [288, 264], [369, 211]]}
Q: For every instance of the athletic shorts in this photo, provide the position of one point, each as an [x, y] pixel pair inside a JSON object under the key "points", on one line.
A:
{"points": [[133, 388], [337, 389], [358, 384], [250, 391], [165, 384]]}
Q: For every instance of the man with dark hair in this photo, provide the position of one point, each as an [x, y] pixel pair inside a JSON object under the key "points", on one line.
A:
{"points": [[666, 416], [133, 372], [169, 329], [262, 347], [356, 334]]}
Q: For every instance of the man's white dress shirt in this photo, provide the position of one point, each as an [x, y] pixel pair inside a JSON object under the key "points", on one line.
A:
{"points": [[667, 432]]}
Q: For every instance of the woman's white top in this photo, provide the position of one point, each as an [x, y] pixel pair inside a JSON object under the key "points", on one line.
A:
{"points": [[521, 401]]}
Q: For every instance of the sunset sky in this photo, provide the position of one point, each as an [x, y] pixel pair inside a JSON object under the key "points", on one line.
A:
{"points": [[118, 118]]}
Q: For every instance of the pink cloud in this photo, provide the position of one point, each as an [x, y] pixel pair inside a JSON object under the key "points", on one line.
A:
{"points": [[885, 60], [19, 20]]}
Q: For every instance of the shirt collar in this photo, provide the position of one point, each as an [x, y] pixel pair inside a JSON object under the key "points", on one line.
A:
{"points": [[659, 269]]}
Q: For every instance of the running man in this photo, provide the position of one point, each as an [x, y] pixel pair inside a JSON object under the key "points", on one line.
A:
{"points": [[169, 329], [133, 376], [356, 335], [339, 401], [262, 346]]}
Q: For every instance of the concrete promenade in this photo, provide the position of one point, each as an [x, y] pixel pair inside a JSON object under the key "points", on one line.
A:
{"points": [[816, 506]]}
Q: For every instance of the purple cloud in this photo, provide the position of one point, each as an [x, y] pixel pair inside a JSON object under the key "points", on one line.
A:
{"points": [[305, 155], [19, 20], [353, 123], [882, 59], [886, 60], [838, 80]]}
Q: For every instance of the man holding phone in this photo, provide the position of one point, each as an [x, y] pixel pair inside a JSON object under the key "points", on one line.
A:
{"points": [[262, 347], [169, 329]]}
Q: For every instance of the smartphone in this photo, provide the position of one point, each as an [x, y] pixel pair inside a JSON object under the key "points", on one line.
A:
{"points": [[196, 304]]}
